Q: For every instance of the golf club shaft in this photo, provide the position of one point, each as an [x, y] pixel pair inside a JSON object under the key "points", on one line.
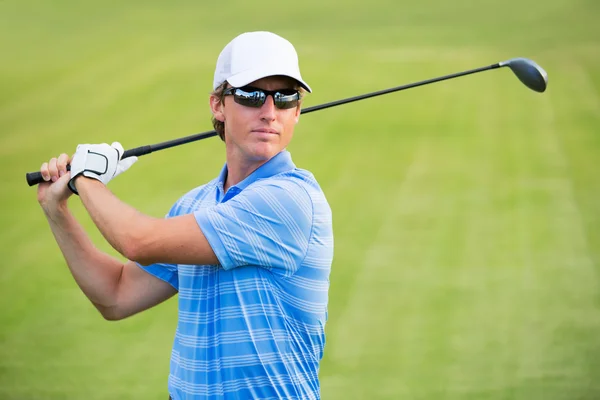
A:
{"points": [[34, 178]]}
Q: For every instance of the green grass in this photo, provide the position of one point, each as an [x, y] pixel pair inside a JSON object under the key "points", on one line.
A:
{"points": [[466, 213]]}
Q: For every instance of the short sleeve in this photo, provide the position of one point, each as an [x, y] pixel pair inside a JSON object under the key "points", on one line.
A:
{"points": [[267, 225], [165, 272]]}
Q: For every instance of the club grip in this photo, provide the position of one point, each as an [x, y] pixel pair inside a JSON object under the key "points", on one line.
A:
{"points": [[34, 178]]}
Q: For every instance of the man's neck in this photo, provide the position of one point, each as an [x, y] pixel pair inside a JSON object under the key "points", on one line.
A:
{"points": [[239, 169]]}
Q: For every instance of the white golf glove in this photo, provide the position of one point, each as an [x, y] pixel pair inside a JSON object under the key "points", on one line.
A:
{"points": [[99, 161]]}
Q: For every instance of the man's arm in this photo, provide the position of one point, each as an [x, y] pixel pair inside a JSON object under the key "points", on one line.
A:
{"points": [[141, 238], [268, 225], [117, 290]]}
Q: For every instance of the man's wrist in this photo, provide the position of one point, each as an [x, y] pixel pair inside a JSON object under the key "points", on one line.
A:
{"points": [[87, 182], [57, 212], [77, 182]]}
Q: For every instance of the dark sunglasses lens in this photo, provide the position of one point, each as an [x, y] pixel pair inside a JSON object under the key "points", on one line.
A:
{"points": [[286, 99], [254, 98]]}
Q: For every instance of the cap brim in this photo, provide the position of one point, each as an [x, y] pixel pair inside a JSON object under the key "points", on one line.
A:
{"points": [[246, 77]]}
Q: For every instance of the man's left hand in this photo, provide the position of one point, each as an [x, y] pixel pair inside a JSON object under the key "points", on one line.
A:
{"points": [[98, 161]]}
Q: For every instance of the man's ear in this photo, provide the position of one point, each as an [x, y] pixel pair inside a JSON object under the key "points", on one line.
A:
{"points": [[298, 110], [216, 107]]}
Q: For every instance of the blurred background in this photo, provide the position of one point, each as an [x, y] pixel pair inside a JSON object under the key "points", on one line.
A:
{"points": [[466, 212]]}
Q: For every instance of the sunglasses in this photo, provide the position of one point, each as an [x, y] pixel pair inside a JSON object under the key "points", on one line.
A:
{"points": [[254, 97]]}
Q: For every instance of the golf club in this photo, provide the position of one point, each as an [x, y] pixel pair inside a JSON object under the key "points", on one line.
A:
{"points": [[528, 72]]}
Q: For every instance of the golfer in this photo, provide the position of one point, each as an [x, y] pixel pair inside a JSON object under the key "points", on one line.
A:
{"points": [[249, 253]]}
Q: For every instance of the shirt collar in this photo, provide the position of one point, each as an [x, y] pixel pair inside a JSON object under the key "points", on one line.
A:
{"points": [[279, 163]]}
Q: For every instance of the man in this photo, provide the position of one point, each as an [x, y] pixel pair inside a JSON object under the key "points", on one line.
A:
{"points": [[249, 253]]}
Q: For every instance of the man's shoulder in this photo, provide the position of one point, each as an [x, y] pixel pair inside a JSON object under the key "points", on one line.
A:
{"points": [[297, 184], [202, 189], [294, 180], [191, 200]]}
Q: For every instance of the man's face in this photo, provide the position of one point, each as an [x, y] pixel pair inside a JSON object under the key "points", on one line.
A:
{"points": [[257, 134]]}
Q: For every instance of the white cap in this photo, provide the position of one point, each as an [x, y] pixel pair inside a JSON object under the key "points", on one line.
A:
{"points": [[255, 55]]}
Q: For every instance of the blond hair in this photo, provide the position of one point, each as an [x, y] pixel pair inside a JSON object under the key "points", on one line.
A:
{"points": [[219, 125]]}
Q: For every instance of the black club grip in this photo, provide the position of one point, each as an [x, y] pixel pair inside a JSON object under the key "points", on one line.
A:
{"points": [[33, 178]]}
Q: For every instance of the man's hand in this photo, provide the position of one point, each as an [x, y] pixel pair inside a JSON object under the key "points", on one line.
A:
{"points": [[53, 193], [98, 161]]}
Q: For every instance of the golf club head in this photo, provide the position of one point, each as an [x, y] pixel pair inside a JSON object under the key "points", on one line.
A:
{"points": [[532, 75]]}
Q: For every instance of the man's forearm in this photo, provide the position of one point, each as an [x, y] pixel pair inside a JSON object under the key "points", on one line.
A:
{"points": [[96, 273], [141, 238], [125, 228]]}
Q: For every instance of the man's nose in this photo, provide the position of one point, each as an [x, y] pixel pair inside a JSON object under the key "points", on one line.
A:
{"points": [[268, 109]]}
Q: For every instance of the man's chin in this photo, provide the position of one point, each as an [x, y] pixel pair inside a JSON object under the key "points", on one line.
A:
{"points": [[264, 151]]}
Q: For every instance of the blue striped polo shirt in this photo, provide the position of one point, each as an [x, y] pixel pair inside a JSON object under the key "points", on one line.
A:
{"points": [[252, 327]]}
